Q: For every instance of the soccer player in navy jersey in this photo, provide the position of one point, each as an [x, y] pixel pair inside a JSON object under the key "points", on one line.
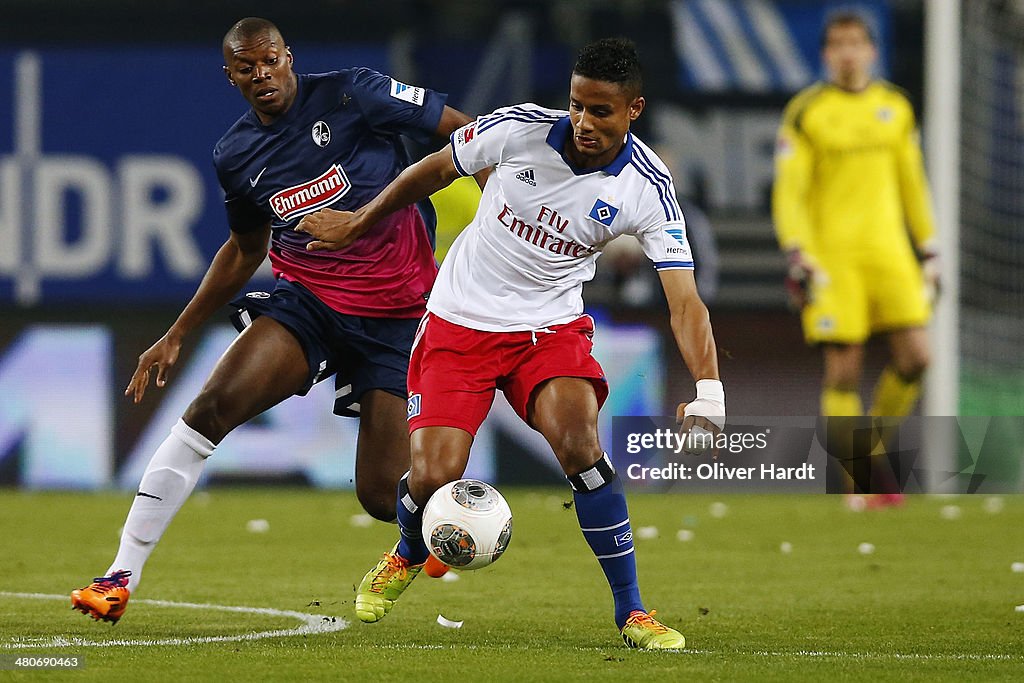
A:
{"points": [[506, 311], [309, 141]]}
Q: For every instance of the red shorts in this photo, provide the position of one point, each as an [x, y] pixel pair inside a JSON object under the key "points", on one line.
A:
{"points": [[454, 370]]}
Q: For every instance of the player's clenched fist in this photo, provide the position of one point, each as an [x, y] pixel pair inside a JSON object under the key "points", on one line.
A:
{"points": [[702, 419]]}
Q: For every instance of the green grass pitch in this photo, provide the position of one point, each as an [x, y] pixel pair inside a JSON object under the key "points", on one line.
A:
{"points": [[934, 601]]}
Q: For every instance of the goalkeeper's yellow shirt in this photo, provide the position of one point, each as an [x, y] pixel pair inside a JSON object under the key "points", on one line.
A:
{"points": [[849, 179]]}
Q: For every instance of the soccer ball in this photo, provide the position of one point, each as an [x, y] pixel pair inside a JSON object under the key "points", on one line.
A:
{"points": [[467, 524]]}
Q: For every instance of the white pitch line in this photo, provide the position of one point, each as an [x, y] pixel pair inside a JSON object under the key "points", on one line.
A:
{"points": [[311, 624], [964, 657], [317, 623], [805, 654]]}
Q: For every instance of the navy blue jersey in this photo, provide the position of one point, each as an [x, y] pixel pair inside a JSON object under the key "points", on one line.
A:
{"points": [[338, 145]]}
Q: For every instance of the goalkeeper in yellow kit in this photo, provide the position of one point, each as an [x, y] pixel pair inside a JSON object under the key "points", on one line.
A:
{"points": [[852, 211]]}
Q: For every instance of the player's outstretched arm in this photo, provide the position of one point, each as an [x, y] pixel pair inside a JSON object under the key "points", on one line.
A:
{"points": [[333, 230], [794, 177], [691, 327], [791, 213], [451, 120], [917, 206], [234, 264]]}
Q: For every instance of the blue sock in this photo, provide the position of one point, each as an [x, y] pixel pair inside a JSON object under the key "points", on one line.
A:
{"points": [[410, 524], [604, 520]]}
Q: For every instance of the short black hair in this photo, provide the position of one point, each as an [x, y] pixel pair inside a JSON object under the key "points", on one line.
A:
{"points": [[847, 17], [613, 60], [250, 27]]}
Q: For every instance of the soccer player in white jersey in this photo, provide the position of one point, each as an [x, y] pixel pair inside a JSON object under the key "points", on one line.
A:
{"points": [[506, 311]]}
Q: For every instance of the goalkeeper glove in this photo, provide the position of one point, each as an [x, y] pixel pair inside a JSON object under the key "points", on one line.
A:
{"points": [[799, 277], [703, 419]]}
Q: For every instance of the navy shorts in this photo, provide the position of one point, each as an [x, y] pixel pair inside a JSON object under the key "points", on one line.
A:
{"points": [[362, 353]]}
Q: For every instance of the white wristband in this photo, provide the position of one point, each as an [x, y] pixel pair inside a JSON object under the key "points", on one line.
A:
{"points": [[711, 389]]}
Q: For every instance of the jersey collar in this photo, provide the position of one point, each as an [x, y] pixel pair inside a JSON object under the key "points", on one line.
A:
{"points": [[559, 134], [836, 86]]}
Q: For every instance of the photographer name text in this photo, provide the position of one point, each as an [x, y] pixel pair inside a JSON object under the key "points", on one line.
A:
{"points": [[716, 471]]}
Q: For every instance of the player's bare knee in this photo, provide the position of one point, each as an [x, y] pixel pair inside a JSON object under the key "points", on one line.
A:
{"points": [[377, 501], [576, 451], [843, 366], [206, 415], [435, 462], [913, 366], [842, 377], [431, 472], [423, 483]]}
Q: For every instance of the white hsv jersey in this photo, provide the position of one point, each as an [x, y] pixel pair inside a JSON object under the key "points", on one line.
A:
{"points": [[541, 224]]}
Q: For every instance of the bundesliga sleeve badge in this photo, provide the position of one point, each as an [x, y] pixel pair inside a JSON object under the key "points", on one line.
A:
{"points": [[464, 135], [407, 93]]}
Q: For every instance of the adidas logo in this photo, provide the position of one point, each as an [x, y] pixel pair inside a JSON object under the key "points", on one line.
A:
{"points": [[527, 177]]}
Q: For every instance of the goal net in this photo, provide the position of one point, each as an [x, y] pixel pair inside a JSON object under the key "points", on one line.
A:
{"points": [[992, 209]]}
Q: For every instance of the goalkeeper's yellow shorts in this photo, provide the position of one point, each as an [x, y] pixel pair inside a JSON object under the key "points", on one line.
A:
{"points": [[851, 301]]}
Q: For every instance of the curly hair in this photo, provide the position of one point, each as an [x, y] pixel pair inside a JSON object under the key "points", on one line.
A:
{"points": [[613, 60]]}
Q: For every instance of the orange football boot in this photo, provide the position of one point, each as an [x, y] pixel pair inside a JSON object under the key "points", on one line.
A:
{"points": [[434, 567], [105, 599]]}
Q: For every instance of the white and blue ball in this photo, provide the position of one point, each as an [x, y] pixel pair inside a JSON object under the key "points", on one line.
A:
{"points": [[467, 524]]}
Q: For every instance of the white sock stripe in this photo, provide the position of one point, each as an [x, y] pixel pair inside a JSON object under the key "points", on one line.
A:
{"points": [[591, 478], [193, 439], [606, 557], [609, 462], [606, 528], [409, 503], [594, 477]]}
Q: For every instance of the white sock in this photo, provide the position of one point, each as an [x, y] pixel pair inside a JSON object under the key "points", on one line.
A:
{"points": [[169, 478]]}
